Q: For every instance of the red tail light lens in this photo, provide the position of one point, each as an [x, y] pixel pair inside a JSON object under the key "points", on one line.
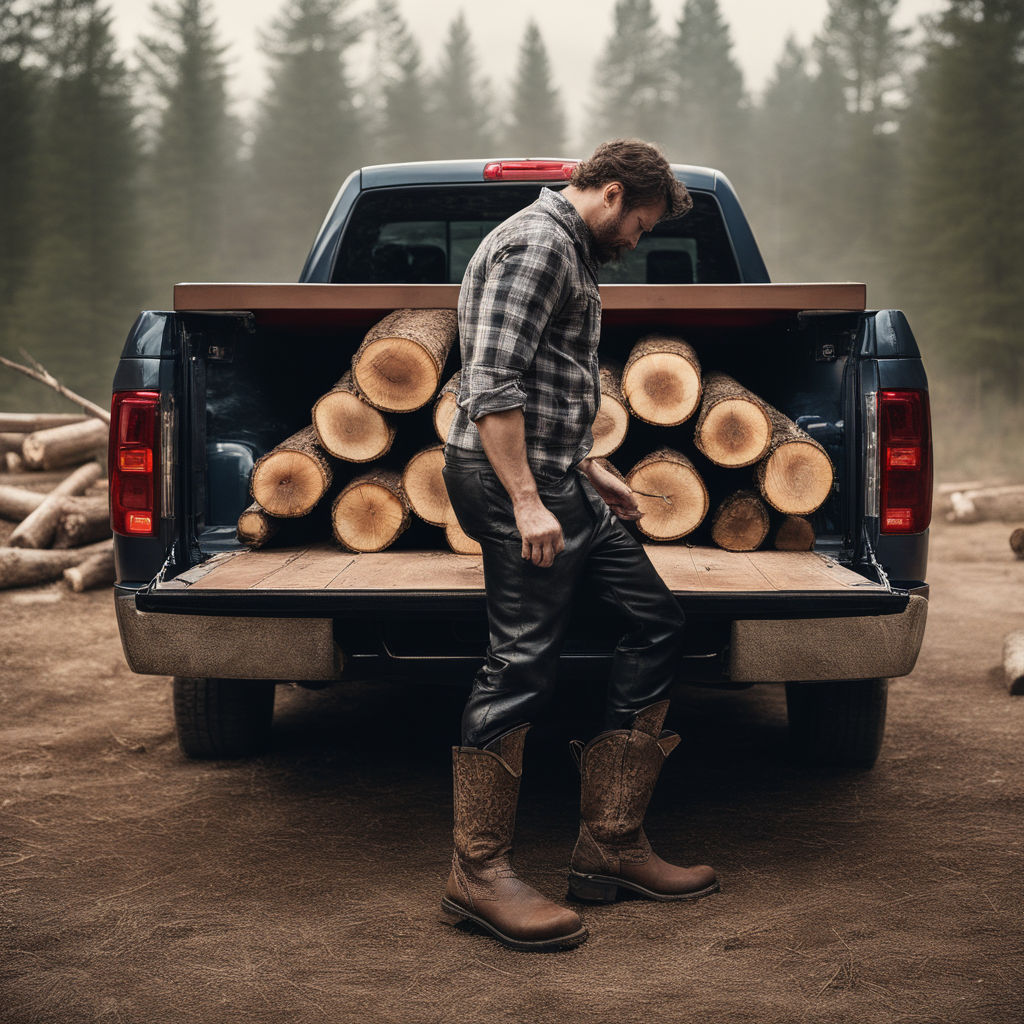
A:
{"points": [[133, 463], [904, 423], [529, 170]]}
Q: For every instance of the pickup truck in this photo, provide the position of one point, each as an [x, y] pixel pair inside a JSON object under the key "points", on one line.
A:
{"points": [[203, 390]]}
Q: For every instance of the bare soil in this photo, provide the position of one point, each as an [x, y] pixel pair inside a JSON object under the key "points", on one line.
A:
{"points": [[303, 886]]}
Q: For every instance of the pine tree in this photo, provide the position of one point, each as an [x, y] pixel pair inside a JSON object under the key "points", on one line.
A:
{"points": [[308, 131], [461, 111], [395, 105], [20, 95], [963, 229], [707, 104], [537, 126], [82, 288], [193, 153], [629, 79]]}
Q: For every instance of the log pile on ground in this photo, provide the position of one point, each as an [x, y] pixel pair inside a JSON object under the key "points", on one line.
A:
{"points": [[763, 476], [987, 503]]}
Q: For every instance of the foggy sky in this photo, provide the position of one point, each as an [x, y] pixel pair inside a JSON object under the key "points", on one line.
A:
{"points": [[574, 32]]}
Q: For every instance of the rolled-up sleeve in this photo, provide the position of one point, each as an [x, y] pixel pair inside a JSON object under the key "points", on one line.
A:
{"points": [[501, 319]]}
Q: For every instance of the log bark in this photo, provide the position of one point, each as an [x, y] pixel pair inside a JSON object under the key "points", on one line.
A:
{"points": [[371, 511], [445, 406], [794, 533], [289, 480], [82, 521], [1004, 504], [17, 502], [22, 567], [399, 364], [13, 462], [11, 442], [795, 476], [95, 571], [30, 422], [424, 486], [348, 427], [661, 381], [1013, 661], [65, 446], [256, 526], [741, 522], [670, 493], [459, 541], [1017, 542], [612, 419], [38, 528], [734, 427]]}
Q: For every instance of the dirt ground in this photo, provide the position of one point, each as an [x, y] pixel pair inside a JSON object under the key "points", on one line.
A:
{"points": [[303, 886]]}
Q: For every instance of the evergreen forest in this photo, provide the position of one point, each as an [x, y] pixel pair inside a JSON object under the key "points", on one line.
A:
{"points": [[876, 153]]}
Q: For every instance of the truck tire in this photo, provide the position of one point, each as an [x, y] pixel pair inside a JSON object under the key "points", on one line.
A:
{"points": [[837, 724], [220, 718]]}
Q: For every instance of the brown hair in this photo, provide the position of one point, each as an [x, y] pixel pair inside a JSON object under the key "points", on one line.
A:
{"points": [[642, 170]]}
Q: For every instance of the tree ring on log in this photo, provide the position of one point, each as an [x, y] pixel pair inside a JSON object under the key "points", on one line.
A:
{"points": [[398, 374], [351, 429], [735, 433], [796, 478], [661, 381], [459, 541], [684, 501], [290, 484], [424, 486], [371, 511]]}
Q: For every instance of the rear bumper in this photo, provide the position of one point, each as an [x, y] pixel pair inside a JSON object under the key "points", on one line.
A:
{"points": [[305, 648]]}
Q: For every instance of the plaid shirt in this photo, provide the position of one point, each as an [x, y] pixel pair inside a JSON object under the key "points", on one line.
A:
{"points": [[529, 325]]}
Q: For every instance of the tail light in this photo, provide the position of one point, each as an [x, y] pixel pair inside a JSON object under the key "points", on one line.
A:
{"points": [[133, 463], [905, 442], [529, 170]]}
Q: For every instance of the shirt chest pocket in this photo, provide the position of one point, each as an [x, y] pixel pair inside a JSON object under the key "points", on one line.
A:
{"points": [[581, 310]]}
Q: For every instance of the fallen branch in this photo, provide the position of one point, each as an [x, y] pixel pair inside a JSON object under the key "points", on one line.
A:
{"points": [[39, 373]]}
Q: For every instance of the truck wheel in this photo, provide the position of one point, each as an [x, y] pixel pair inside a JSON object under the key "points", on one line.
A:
{"points": [[837, 724], [217, 718]]}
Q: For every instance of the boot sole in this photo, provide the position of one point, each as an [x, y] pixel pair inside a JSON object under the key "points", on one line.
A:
{"points": [[453, 914], [605, 889]]}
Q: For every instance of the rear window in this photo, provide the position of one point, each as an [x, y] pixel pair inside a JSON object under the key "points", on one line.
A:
{"points": [[427, 235]]}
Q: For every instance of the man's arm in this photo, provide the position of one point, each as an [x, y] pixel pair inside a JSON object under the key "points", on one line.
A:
{"points": [[503, 435]]}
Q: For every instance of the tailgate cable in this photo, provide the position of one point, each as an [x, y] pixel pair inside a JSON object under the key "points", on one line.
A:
{"points": [[883, 576]]}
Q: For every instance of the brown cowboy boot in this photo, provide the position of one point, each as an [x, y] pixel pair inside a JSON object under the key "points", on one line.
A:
{"points": [[618, 772], [483, 886]]}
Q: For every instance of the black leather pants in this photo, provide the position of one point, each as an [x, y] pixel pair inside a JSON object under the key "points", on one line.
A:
{"points": [[528, 606]]}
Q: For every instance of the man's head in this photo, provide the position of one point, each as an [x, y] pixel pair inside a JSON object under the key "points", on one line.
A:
{"points": [[623, 190]]}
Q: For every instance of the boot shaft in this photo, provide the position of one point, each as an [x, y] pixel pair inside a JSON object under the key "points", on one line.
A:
{"points": [[486, 792]]}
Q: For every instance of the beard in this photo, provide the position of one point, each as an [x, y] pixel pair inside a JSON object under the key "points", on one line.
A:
{"points": [[607, 248]]}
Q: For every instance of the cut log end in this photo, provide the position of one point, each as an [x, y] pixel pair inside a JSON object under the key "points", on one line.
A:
{"points": [[609, 428], [670, 494], [371, 512], [350, 429], [734, 433], [796, 478], [396, 375], [288, 484], [255, 527], [794, 533], [741, 522], [459, 541], [662, 381], [424, 486]]}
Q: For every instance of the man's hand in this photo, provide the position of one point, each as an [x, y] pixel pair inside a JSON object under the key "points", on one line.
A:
{"points": [[617, 495], [540, 530]]}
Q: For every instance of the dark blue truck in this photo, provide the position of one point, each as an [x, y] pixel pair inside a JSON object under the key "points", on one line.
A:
{"points": [[203, 391]]}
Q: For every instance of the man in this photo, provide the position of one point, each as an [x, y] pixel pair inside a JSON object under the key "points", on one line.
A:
{"points": [[521, 484]]}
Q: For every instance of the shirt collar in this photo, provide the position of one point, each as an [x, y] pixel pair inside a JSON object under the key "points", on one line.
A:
{"points": [[569, 218]]}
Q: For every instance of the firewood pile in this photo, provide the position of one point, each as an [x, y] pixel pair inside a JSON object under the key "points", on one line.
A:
{"points": [[54, 489], [769, 474]]}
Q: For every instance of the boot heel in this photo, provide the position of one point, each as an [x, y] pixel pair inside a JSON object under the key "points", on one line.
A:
{"points": [[592, 890], [449, 915]]}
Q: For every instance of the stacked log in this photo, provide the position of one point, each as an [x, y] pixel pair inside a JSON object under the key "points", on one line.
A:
{"points": [[794, 533], [20, 567], [661, 381], [459, 541], [82, 521], [37, 529], [669, 493], [740, 523], [795, 476], [734, 428], [348, 427], [291, 479], [1001, 504], [95, 571], [399, 364], [256, 526], [424, 486], [612, 419], [446, 405], [371, 511]]}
